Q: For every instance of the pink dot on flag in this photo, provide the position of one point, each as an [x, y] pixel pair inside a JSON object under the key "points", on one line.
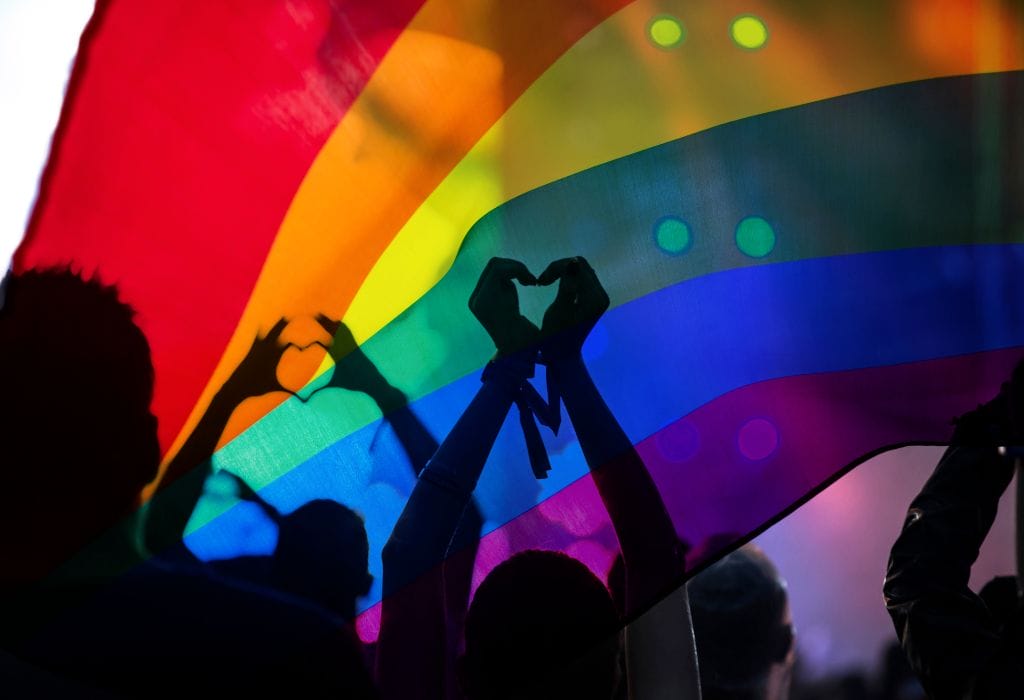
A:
{"points": [[758, 439], [368, 624]]}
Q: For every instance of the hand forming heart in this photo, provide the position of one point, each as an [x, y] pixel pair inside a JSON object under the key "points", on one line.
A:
{"points": [[578, 304]]}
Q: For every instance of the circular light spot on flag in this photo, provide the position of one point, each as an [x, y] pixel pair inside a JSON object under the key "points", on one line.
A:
{"points": [[678, 442], [749, 32], [368, 625], [755, 237], [672, 235], [666, 31], [758, 439]]}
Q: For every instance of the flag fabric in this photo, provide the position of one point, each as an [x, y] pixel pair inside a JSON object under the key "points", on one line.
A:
{"points": [[809, 223]]}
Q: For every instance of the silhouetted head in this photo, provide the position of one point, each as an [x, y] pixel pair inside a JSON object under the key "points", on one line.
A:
{"points": [[541, 625], [323, 555], [79, 440], [741, 623]]}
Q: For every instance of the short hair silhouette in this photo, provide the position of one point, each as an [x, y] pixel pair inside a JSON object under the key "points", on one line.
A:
{"points": [[739, 607], [543, 624], [323, 555], [79, 439]]}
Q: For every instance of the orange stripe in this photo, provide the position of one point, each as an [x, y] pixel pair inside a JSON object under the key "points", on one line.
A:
{"points": [[446, 80]]}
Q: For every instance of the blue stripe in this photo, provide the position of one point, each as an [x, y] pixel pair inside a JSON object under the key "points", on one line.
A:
{"points": [[661, 356]]}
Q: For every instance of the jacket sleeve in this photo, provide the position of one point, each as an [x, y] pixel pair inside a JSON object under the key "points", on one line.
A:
{"points": [[948, 634]]}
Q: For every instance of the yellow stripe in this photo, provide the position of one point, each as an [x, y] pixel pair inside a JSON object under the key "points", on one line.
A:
{"points": [[615, 93]]}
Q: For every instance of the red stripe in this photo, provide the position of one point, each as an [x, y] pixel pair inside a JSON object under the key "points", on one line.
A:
{"points": [[185, 133]]}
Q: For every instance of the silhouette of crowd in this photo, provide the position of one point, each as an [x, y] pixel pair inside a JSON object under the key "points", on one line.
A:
{"points": [[101, 597]]}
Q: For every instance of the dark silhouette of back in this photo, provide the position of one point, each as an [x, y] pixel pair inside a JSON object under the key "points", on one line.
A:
{"points": [[79, 440], [79, 444]]}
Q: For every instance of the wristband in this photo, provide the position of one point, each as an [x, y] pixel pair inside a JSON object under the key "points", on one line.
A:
{"points": [[512, 373]]}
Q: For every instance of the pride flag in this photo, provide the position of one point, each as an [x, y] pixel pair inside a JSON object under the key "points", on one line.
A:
{"points": [[809, 222]]}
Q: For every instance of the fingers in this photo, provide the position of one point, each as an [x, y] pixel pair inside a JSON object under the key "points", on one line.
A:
{"points": [[328, 323], [500, 272], [557, 270], [593, 295], [566, 272], [277, 330], [506, 270]]}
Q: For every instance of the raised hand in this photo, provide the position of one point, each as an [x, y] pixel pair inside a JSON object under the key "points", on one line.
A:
{"points": [[578, 305], [256, 374], [353, 370], [495, 303]]}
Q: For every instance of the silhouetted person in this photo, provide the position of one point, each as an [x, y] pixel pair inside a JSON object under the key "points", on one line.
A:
{"points": [[957, 644], [79, 441], [322, 555], [535, 612], [741, 622], [322, 551], [354, 371], [541, 624], [79, 446]]}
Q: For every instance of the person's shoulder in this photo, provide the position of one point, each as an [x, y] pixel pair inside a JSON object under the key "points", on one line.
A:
{"points": [[180, 626], [210, 599]]}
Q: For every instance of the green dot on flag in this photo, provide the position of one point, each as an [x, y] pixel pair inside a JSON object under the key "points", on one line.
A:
{"points": [[755, 237], [672, 235]]}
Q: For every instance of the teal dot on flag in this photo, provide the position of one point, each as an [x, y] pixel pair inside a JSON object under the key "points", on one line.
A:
{"points": [[755, 237], [672, 235], [666, 32]]}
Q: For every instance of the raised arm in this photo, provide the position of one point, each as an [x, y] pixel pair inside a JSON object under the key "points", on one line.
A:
{"points": [[412, 644], [948, 634], [650, 546], [181, 486], [355, 371], [660, 647]]}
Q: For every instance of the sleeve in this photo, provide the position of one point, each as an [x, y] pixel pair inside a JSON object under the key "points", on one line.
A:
{"points": [[945, 629]]}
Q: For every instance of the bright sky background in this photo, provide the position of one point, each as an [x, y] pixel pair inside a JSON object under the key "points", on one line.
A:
{"points": [[38, 41], [833, 551]]}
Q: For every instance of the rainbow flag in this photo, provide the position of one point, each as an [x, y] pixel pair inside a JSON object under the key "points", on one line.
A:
{"points": [[810, 222]]}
